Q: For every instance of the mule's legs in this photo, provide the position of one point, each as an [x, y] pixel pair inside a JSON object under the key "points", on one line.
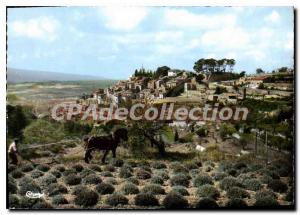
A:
{"points": [[104, 156], [87, 156], [114, 153]]}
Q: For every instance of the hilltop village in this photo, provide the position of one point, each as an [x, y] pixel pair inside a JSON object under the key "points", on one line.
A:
{"points": [[187, 87]]}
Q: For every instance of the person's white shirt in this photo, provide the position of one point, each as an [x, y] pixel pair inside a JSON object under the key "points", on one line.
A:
{"points": [[12, 147]]}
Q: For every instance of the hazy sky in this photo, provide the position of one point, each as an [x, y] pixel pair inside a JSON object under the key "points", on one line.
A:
{"points": [[113, 42]]}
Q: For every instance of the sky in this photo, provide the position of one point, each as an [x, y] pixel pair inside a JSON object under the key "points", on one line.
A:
{"points": [[114, 41]]}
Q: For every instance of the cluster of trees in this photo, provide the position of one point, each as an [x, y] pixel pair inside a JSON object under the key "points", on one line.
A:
{"points": [[143, 73], [160, 72], [279, 70], [212, 65]]}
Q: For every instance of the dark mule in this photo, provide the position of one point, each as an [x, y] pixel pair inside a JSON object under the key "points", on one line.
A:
{"points": [[105, 143]]}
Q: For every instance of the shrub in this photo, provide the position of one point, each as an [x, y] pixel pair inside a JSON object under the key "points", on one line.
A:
{"points": [[27, 184], [104, 188], [239, 165], [181, 190], [277, 186], [41, 205], [13, 201], [266, 179], [208, 191], [109, 168], [125, 173], [194, 172], [263, 194], [218, 176], [206, 203], [12, 187], [106, 174], [69, 172], [28, 203], [43, 167], [36, 174], [271, 173], [92, 179], [85, 172], [154, 189], [60, 168], [229, 182], [133, 180], [159, 165], [162, 174], [180, 169], [255, 167], [236, 203], [157, 180], [252, 184], [11, 167], [86, 198], [180, 180], [242, 177], [17, 174], [47, 180], [117, 162], [201, 132], [95, 167], [111, 180], [77, 189], [202, 180], [145, 199], [77, 167], [56, 173], [174, 164], [142, 174], [191, 165], [129, 188], [266, 202], [175, 201], [131, 163], [225, 166], [145, 168], [27, 167], [116, 199], [55, 189], [232, 172], [72, 179], [59, 200], [290, 195], [237, 192]]}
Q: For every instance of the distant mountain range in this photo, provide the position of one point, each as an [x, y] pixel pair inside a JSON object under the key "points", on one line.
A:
{"points": [[22, 75]]}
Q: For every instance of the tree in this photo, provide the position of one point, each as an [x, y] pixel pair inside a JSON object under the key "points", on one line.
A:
{"points": [[211, 64], [242, 74], [230, 63], [283, 69], [199, 65], [142, 131], [42, 131], [161, 71], [226, 130], [221, 65], [220, 90], [261, 86], [259, 71], [199, 78], [18, 118]]}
